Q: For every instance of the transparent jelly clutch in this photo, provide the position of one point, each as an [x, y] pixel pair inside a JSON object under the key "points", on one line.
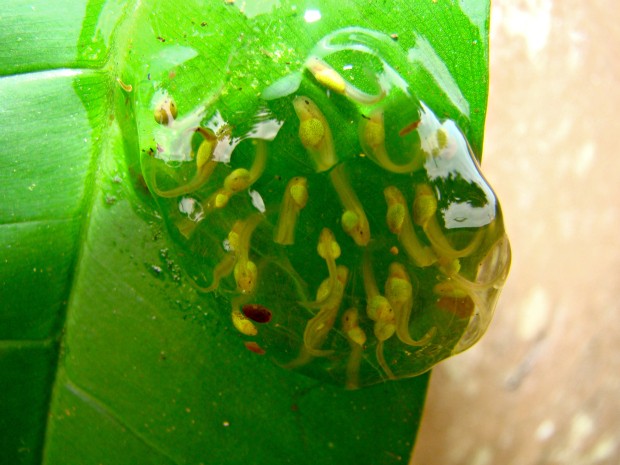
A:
{"points": [[344, 226]]}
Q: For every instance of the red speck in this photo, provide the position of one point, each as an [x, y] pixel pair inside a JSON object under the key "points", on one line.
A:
{"points": [[410, 127], [254, 347], [257, 313], [294, 408]]}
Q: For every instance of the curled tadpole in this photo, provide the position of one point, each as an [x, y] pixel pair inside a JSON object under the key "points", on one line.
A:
{"points": [[372, 139], [221, 270], [357, 338], [424, 214], [399, 222], [237, 260], [353, 220], [245, 271], [399, 292], [226, 266], [205, 166], [320, 325], [381, 312], [316, 137], [492, 269], [374, 44], [240, 179], [354, 39], [295, 199], [314, 133], [330, 78], [329, 250]]}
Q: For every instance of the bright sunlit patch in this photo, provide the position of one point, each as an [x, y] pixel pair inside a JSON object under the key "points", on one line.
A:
{"points": [[312, 16]]}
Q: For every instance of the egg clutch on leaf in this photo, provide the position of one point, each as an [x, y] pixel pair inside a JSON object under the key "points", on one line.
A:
{"points": [[353, 235]]}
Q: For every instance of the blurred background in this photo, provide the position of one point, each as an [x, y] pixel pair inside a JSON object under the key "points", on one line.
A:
{"points": [[543, 385]]}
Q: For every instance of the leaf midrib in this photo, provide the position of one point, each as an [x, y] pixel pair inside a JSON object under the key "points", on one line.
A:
{"points": [[118, 49]]}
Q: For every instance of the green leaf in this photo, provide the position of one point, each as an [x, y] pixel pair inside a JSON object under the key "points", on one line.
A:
{"points": [[107, 353]]}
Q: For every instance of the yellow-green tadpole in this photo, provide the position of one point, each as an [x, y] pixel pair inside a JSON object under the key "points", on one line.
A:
{"points": [[399, 292], [424, 214], [316, 137], [329, 250], [399, 222], [314, 133], [332, 80], [295, 199], [205, 166], [354, 221], [357, 339], [237, 260], [221, 270], [245, 270], [372, 138], [239, 179], [318, 327], [381, 312]]}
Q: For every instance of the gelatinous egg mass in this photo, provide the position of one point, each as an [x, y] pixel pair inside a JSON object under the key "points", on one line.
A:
{"points": [[346, 225]]}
